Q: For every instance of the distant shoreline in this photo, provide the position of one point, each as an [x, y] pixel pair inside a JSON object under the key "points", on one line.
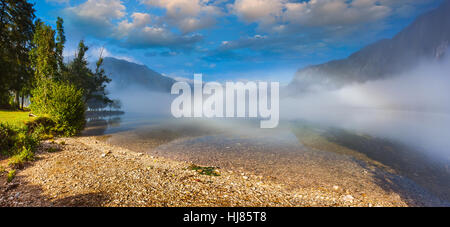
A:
{"points": [[105, 113]]}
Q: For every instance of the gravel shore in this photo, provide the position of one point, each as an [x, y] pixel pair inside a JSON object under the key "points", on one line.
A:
{"points": [[85, 171]]}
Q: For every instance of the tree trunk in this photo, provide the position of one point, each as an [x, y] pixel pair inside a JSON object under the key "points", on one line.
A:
{"points": [[23, 98], [17, 101]]}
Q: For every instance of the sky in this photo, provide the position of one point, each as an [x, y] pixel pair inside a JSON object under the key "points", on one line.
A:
{"points": [[229, 39]]}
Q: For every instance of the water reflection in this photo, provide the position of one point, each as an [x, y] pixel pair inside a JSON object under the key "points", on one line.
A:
{"points": [[98, 125]]}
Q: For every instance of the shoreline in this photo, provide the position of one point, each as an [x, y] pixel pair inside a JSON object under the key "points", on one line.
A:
{"points": [[85, 171], [104, 113]]}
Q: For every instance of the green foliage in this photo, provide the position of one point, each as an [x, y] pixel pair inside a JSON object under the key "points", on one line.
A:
{"points": [[11, 175], [64, 103], [79, 73], [14, 139], [98, 98], [18, 161], [43, 127], [43, 56], [209, 171], [92, 83], [4, 94], [31, 63], [7, 139], [58, 93], [26, 140], [21, 142], [18, 142], [60, 42], [16, 32]]}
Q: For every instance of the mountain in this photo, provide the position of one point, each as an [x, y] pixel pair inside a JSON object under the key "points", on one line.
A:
{"points": [[426, 38], [126, 75]]}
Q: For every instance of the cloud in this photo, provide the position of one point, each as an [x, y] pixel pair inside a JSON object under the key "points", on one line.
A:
{"points": [[288, 15], [334, 12], [109, 19], [258, 47], [187, 15], [102, 11], [302, 29], [265, 12], [97, 51], [94, 17], [142, 33], [289, 26]]}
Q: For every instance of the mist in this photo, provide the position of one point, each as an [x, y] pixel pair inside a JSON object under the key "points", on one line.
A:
{"points": [[412, 108], [136, 99]]}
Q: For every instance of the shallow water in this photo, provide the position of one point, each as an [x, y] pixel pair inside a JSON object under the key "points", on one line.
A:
{"points": [[297, 153]]}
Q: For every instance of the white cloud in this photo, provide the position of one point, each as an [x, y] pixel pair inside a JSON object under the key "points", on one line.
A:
{"points": [[108, 19], [263, 11], [140, 21], [141, 32], [280, 15], [319, 19], [102, 11], [187, 15], [96, 52], [334, 13]]}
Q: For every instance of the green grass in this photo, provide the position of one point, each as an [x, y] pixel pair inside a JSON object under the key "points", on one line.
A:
{"points": [[14, 118]]}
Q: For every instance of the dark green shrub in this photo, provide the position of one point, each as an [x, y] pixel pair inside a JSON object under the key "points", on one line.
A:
{"points": [[43, 127], [64, 103], [45, 122], [18, 160], [13, 140], [7, 139]]}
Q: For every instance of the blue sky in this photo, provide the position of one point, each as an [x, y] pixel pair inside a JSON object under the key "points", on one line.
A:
{"points": [[229, 39]]}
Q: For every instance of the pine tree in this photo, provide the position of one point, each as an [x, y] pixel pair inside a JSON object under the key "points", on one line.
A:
{"points": [[98, 96], [60, 42], [16, 33], [79, 73]]}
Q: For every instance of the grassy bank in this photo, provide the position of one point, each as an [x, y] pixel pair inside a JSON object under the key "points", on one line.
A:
{"points": [[14, 118], [19, 137]]}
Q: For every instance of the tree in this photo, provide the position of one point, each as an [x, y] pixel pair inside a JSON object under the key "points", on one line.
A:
{"points": [[116, 104], [60, 42], [5, 19], [100, 80], [60, 98], [43, 56], [93, 83], [16, 33], [79, 73]]}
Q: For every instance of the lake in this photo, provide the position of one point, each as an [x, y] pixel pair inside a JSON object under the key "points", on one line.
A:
{"points": [[299, 153]]}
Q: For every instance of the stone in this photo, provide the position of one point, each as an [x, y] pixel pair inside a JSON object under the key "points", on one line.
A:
{"points": [[348, 198]]}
